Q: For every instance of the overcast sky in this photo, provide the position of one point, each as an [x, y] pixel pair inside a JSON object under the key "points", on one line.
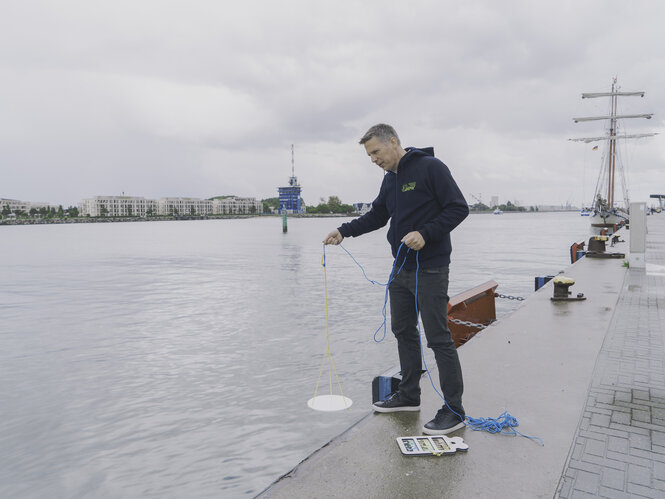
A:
{"points": [[201, 98]]}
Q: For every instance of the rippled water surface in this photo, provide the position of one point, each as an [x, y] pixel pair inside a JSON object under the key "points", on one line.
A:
{"points": [[174, 359]]}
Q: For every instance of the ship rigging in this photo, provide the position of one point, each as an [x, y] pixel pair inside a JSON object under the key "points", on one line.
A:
{"points": [[606, 210]]}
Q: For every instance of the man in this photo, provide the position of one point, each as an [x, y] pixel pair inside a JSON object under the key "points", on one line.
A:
{"points": [[423, 203]]}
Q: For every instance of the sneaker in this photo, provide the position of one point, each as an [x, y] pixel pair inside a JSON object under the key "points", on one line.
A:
{"points": [[394, 403], [443, 423]]}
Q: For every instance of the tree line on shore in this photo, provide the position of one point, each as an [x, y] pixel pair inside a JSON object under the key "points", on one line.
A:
{"points": [[270, 205], [503, 207], [42, 212], [333, 205]]}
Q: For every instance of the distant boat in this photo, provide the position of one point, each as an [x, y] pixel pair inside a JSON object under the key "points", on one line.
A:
{"points": [[606, 213], [497, 211], [585, 212]]}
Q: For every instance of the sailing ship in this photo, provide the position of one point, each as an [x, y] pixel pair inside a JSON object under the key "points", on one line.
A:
{"points": [[606, 211]]}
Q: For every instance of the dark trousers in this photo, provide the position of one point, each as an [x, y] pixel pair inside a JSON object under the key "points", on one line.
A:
{"points": [[432, 306]]}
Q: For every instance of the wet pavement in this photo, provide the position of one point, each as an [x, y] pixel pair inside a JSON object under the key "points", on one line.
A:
{"points": [[586, 377]]}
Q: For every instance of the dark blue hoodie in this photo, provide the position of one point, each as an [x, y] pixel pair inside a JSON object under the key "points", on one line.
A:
{"points": [[421, 196]]}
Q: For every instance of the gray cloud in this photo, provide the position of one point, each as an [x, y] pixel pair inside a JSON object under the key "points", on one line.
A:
{"points": [[205, 97]]}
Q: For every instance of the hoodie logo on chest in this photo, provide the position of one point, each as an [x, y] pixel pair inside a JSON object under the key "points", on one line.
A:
{"points": [[408, 187]]}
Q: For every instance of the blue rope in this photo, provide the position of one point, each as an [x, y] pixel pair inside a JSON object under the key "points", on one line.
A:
{"points": [[391, 278], [505, 423], [363, 270]]}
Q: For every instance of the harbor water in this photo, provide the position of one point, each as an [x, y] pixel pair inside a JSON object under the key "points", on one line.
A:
{"points": [[173, 359]]}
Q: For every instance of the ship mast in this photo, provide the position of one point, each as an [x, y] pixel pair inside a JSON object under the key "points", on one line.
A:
{"points": [[612, 136], [612, 154]]}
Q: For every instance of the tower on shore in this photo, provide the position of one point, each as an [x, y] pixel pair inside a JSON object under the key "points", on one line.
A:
{"points": [[289, 197]]}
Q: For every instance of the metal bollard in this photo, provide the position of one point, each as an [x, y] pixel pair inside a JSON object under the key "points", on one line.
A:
{"points": [[561, 291]]}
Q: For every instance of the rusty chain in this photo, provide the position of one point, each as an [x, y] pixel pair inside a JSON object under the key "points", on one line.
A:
{"points": [[483, 326], [467, 323], [518, 298]]}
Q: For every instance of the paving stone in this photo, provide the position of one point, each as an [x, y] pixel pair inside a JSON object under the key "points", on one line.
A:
{"points": [[647, 426], [659, 485], [565, 487], [627, 458], [643, 416], [620, 445], [595, 447], [640, 441], [570, 474], [605, 463], [613, 407], [613, 479], [598, 433], [602, 420], [604, 398], [641, 406], [621, 417], [585, 467], [636, 490], [594, 409], [640, 475], [658, 438], [625, 431], [580, 494], [646, 454], [612, 493], [587, 482], [659, 470]]}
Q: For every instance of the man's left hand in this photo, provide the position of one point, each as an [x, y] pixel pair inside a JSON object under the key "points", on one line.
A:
{"points": [[414, 240]]}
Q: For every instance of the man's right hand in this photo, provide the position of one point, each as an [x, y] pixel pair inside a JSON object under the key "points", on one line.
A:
{"points": [[333, 238]]}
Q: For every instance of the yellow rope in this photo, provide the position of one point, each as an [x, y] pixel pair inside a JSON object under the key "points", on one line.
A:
{"points": [[328, 356]]}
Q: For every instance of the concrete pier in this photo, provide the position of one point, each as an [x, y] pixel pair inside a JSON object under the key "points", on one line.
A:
{"points": [[586, 377]]}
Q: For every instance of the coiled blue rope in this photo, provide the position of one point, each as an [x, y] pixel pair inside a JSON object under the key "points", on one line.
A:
{"points": [[505, 423]]}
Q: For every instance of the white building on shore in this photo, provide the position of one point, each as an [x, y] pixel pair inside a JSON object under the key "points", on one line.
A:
{"points": [[117, 206], [124, 206], [14, 205], [233, 205], [184, 206]]}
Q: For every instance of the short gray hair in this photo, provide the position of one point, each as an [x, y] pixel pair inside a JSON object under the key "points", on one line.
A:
{"points": [[382, 132]]}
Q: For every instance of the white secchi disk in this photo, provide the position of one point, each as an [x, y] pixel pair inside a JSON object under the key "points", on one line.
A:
{"points": [[329, 403]]}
